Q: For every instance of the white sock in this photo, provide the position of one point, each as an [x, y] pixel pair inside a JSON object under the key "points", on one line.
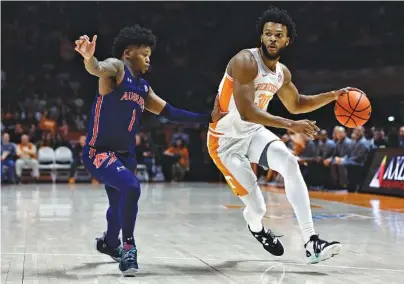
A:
{"points": [[280, 159], [255, 209]]}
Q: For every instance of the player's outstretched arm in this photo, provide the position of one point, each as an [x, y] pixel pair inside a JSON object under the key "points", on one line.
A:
{"points": [[110, 67], [296, 103], [244, 69], [158, 106]]}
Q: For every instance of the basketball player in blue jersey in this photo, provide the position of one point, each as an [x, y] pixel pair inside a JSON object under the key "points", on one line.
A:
{"points": [[109, 154]]}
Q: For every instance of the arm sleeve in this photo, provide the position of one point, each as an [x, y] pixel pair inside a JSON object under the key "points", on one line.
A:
{"points": [[180, 115]]}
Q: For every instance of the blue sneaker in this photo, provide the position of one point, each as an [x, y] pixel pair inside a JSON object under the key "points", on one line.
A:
{"points": [[128, 264], [103, 247]]}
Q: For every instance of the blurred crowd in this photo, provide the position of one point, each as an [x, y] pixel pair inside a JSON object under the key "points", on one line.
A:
{"points": [[47, 94], [336, 161], [20, 151]]}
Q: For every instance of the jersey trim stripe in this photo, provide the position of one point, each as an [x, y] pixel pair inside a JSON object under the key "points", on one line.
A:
{"points": [[213, 145], [229, 77], [96, 120], [215, 132], [132, 121], [226, 91]]}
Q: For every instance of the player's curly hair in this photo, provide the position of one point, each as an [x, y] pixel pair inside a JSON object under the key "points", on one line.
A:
{"points": [[135, 35], [276, 15]]}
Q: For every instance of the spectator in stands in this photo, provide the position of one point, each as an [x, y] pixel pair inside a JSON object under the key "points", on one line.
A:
{"points": [[28, 120], [334, 134], [393, 138], [343, 146], [34, 133], [7, 158], [18, 132], [77, 150], [148, 156], [347, 169], [27, 157], [326, 147], [47, 123], [180, 134], [342, 149], [317, 170], [144, 153], [306, 155], [369, 134], [60, 142], [181, 164], [378, 139], [64, 128], [401, 137], [46, 140]]}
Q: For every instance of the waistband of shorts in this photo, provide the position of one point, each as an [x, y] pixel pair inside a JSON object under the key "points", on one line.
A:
{"points": [[106, 149]]}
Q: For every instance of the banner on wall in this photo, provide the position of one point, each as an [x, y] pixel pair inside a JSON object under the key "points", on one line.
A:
{"points": [[386, 173]]}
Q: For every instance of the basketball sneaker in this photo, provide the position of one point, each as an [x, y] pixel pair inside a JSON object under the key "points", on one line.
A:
{"points": [[103, 247], [318, 250], [128, 264], [269, 241]]}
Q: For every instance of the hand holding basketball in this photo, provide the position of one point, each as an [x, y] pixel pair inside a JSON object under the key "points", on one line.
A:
{"points": [[86, 47], [346, 90], [352, 108]]}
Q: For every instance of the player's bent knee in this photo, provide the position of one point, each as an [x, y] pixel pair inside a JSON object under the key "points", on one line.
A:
{"points": [[281, 159], [291, 163]]}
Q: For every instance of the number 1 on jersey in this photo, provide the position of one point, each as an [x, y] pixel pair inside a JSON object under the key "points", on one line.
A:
{"points": [[132, 121]]}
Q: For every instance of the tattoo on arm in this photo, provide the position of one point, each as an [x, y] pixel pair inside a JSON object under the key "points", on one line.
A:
{"points": [[107, 68]]}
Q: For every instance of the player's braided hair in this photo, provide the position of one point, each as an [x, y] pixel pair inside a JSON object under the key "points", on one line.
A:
{"points": [[132, 35], [276, 15]]}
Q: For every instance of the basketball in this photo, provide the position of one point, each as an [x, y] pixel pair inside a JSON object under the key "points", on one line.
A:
{"points": [[352, 109]]}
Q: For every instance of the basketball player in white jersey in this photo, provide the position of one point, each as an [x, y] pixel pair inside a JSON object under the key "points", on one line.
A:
{"points": [[251, 79]]}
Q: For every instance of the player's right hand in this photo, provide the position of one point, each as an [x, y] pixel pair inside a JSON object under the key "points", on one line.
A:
{"points": [[86, 47], [306, 127]]}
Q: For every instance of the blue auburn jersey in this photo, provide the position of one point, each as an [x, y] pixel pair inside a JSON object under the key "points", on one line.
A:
{"points": [[115, 117]]}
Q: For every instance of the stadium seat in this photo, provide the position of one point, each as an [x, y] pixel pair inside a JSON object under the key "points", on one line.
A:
{"points": [[141, 173], [63, 160], [63, 157], [46, 159]]}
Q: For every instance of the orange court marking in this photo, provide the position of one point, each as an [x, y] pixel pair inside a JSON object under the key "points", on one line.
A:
{"points": [[388, 203], [237, 206]]}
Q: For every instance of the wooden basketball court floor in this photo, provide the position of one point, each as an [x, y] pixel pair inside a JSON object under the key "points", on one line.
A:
{"points": [[195, 233]]}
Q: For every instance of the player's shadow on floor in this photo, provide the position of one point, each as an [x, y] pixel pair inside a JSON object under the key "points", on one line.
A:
{"points": [[161, 270], [71, 274]]}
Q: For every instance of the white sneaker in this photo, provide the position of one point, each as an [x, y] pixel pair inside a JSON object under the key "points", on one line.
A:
{"points": [[318, 250]]}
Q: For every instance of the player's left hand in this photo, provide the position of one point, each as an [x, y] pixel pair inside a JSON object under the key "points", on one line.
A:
{"points": [[217, 113], [345, 90], [86, 47]]}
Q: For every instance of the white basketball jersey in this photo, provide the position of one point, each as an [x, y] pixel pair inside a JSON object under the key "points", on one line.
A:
{"points": [[267, 83]]}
